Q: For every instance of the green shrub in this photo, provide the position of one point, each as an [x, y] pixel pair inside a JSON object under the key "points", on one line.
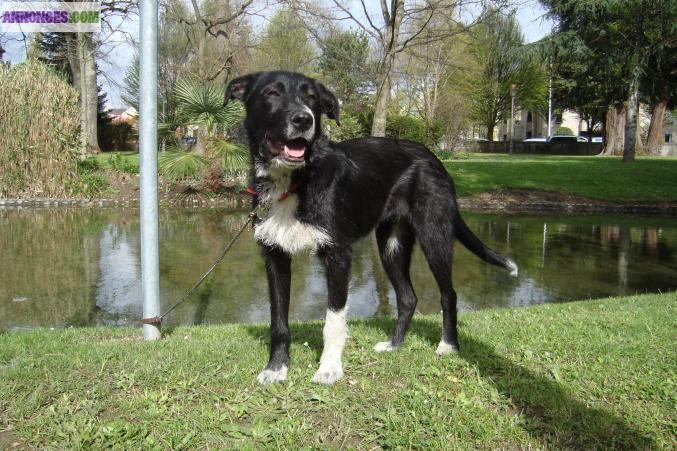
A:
{"points": [[88, 184], [405, 127], [402, 126], [444, 154], [39, 132], [365, 117], [413, 128], [564, 131], [88, 165], [350, 127]]}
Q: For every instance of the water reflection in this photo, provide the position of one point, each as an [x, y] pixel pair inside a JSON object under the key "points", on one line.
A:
{"points": [[81, 267]]}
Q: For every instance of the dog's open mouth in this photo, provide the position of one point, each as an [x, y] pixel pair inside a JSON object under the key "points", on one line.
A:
{"points": [[293, 150]]}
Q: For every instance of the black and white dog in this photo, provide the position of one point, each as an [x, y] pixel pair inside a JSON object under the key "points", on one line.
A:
{"points": [[320, 196]]}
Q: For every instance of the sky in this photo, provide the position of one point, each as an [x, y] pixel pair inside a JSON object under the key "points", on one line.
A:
{"points": [[119, 53]]}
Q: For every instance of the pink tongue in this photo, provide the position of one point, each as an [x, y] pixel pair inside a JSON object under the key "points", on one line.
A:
{"points": [[295, 152]]}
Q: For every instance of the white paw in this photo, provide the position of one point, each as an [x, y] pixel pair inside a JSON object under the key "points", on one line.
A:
{"points": [[269, 376], [328, 375], [512, 267], [384, 346], [446, 349]]}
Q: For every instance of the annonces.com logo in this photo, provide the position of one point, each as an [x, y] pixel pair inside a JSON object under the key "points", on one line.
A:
{"points": [[26, 17]]}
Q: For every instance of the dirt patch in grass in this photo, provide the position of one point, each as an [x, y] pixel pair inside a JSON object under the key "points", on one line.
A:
{"points": [[10, 441], [539, 200]]}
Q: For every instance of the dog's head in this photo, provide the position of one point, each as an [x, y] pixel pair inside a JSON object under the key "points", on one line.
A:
{"points": [[283, 114]]}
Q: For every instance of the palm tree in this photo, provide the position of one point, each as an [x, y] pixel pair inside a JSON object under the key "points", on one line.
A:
{"points": [[200, 104]]}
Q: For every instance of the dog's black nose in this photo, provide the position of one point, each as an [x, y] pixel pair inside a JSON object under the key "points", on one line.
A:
{"points": [[302, 120]]}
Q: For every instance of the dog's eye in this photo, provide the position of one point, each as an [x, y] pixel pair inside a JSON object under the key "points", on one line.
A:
{"points": [[272, 93], [312, 97]]}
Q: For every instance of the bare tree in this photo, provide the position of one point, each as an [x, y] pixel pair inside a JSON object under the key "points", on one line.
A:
{"points": [[432, 73], [215, 30], [427, 68], [396, 26]]}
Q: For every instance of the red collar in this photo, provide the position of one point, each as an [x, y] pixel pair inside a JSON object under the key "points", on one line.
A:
{"points": [[292, 190]]}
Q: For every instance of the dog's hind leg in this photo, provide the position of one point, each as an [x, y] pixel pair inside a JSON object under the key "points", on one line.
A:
{"points": [[337, 269], [395, 244], [436, 239], [278, 268]]}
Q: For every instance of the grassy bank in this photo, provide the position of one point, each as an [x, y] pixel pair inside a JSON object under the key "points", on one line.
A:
{"points": [[595, 374], [647, 179]]}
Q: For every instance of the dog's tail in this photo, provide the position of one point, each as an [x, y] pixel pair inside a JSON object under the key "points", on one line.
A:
{"points": [[477, 247]]}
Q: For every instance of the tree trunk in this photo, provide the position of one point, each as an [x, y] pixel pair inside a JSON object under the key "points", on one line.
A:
{"points": [[654, 141], [609, 131], [202, 52], [639, 145], [72, 53], [490, 132], [83, 70], [614, 132], [632, 113], [90, 91], [393, 20], [378, 126]]}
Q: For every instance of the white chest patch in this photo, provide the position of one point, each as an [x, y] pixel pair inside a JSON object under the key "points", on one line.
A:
{"points": [[281, 228]]}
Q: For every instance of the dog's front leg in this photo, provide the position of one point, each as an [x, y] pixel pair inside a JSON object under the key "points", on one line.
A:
{"points": [[335, 332], [278, 267]]}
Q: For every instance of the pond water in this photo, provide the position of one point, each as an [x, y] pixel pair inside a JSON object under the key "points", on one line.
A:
{"points": [[81, 267]]}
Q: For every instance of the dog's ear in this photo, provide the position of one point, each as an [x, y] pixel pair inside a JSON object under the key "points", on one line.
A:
{"points": [[239, 88], [328, 102]]}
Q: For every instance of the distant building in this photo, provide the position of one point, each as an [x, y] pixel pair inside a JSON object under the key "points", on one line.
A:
{"points": [[669, 135], [531, 124], [128, 115]]}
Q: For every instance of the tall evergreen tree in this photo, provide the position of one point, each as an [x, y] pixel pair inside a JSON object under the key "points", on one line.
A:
{"points": [[625, 39], [343, 63]]}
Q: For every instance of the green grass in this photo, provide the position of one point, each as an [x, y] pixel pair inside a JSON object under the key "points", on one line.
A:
{"points": [[604, 178], [596, 374], [119, 161]]}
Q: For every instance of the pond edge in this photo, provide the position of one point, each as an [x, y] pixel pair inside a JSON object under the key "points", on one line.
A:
{"points": [[501, 201]]}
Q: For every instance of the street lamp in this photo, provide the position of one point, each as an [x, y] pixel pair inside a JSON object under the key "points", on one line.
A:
{"points": [[513, 91]]}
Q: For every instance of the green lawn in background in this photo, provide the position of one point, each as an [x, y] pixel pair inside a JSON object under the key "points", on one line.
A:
{"points": [[125, 161], [584, 375], [604, 178]]}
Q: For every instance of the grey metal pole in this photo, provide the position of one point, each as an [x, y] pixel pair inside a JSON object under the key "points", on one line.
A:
{"points": [[550, 107], [150, 262], [512, 123]]}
